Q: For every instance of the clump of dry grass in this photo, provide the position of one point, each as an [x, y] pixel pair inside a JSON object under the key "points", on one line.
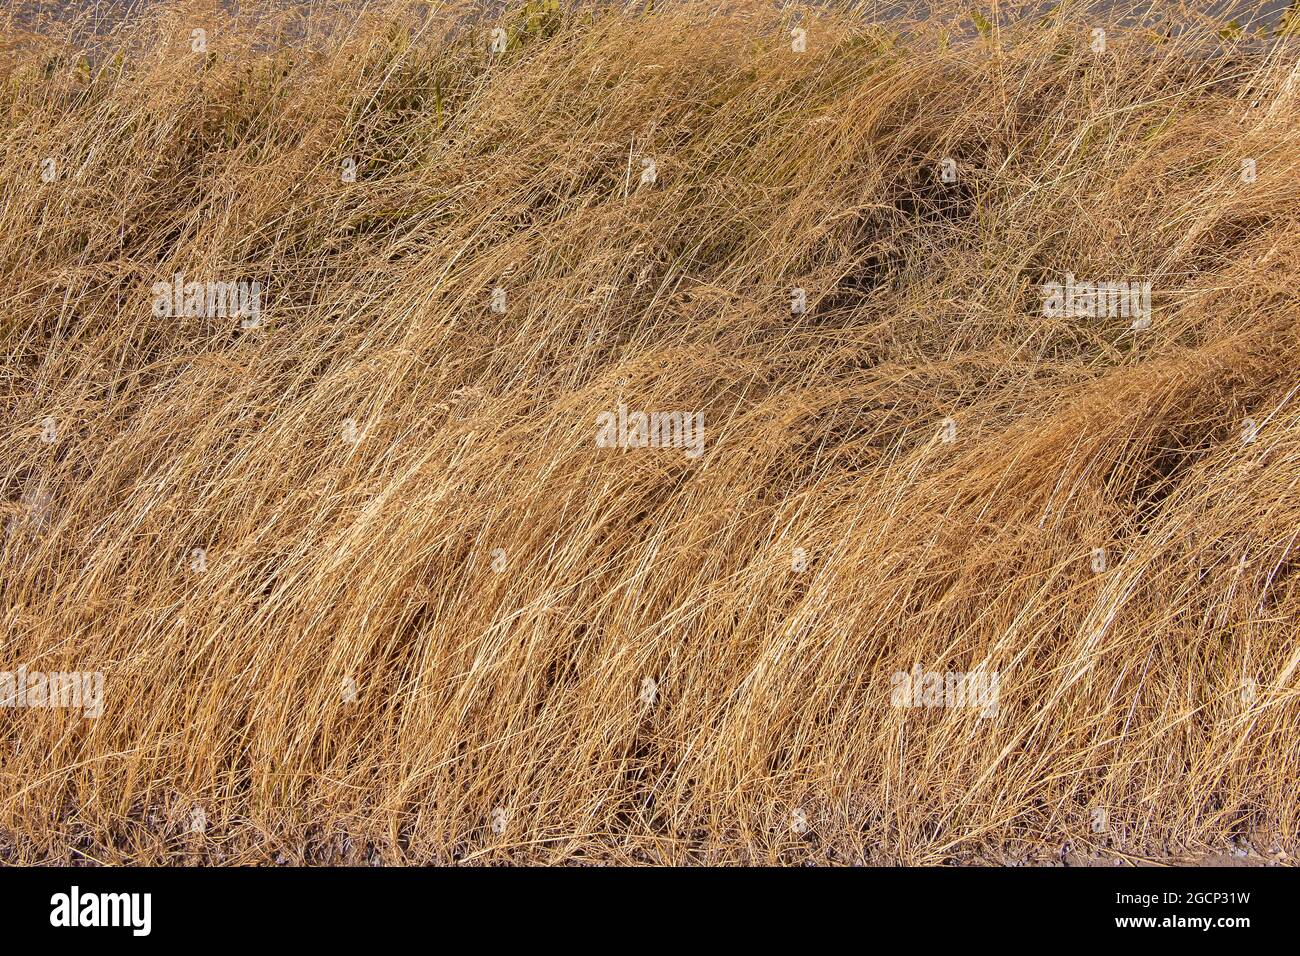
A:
{"points": [[646, 670]]}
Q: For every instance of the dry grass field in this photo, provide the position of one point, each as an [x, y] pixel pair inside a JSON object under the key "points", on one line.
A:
{"points": [[324, 342]]}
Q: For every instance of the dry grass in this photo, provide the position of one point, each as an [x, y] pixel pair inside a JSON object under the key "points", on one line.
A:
{"points": [[523, 689]]}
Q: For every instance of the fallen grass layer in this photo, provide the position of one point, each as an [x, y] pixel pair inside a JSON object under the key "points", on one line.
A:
{"points": [[667, 659]]}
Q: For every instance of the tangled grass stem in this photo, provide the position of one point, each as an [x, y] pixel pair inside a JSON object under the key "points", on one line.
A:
{"points": [[310, 323]]}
